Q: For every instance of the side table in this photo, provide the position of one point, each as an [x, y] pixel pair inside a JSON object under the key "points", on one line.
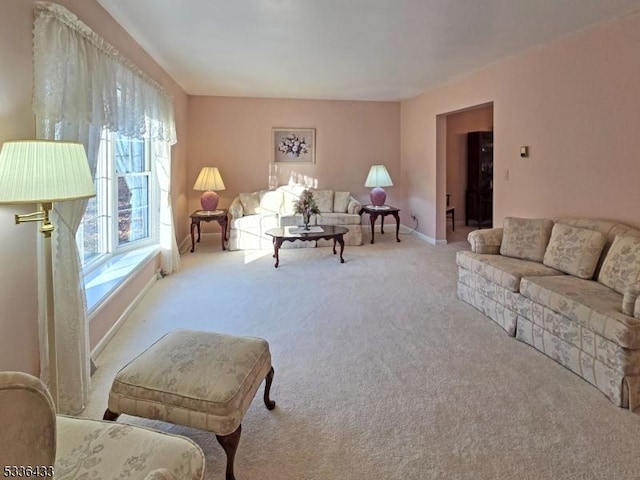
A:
{"points": [[198, 216], [375, 212]]}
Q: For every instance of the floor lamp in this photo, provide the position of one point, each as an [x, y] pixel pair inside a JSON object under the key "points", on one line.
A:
{"points": [[43, 172]]}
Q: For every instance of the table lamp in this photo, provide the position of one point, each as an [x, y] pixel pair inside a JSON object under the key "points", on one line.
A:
{"points": [[208, 181], [43, 172], [378, 177]]}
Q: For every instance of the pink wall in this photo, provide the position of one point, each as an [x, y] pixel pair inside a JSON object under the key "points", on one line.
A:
{"points": [[458, 125], [18, 322], [234, 134], [575, 103], [109, 312]]}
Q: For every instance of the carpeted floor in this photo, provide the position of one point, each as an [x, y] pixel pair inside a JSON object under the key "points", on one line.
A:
{"points": [[381, 373]]}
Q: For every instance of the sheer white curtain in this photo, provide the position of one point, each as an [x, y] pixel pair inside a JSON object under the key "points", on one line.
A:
{"points": [[81, 86]]}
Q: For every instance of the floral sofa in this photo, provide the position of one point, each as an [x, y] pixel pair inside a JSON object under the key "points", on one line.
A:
{"points": [[569, 288], [252, 214]]}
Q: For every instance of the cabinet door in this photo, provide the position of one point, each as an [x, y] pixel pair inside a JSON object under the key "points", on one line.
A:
{"points": [[479, 202], [485, 161]]}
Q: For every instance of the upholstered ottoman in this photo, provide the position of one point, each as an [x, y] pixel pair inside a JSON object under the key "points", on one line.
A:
{"points": [[197, 379]]}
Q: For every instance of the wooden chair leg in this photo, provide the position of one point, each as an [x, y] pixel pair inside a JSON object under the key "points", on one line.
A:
{"points": [[270, 404], [229, 444], [109, 415]]}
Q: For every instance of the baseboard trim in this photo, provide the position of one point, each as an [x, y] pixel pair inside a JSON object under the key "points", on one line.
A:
{"points": [[425, 238], [118, 323]]}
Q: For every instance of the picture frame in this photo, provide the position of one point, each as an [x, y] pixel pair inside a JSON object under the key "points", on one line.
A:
{"points": [[294, 145]]}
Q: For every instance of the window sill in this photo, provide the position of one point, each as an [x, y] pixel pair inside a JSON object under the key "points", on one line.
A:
{"points": [[101, 282]]}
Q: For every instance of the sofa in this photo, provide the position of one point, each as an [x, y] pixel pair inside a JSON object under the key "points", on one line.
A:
{"points": [[569, 288], [252, 214], [36, 443]]}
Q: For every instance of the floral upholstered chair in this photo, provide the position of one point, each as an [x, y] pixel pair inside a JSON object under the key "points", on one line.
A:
{"points": [[36, 443]]}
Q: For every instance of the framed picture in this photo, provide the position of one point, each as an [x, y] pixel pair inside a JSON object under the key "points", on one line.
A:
{"points": [[294, 145]]}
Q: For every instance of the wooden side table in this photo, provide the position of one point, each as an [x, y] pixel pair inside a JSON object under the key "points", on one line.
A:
{"points": [[375, 212], [198, 216]]}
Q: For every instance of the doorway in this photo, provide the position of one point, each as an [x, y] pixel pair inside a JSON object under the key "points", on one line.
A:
{"points": [[453, 162]]}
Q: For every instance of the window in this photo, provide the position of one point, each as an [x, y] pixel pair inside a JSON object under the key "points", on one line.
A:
{"points": [[121, 216]]}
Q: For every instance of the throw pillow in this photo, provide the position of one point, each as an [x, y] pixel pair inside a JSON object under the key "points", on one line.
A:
{"points": [[271, 202], [324, 200], [250, 202], [621, 267], [574, 250], [525, 238], [341, 201]]}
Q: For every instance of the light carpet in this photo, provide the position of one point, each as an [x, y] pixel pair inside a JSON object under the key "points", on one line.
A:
{"points": [[380, 372]]}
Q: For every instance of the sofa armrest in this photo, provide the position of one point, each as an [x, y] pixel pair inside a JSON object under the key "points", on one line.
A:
{"points": [[631, 301], [486, 241], [28, 419], [235, 209], [354, 206]]}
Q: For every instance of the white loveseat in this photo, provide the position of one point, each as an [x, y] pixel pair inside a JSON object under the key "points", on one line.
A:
{"points": [[252, 214], [569, 288]]}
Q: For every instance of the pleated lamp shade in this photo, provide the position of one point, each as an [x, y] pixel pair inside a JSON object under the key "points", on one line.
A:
{"points": [[378, 177], [40, 171], [209, 180]]}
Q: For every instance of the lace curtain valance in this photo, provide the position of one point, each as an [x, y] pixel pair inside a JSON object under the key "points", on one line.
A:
{"points": [[83, 79], [82, 85]]}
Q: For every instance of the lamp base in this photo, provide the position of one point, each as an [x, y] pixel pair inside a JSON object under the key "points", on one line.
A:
{"points": [[378, 196], [209, 200]]}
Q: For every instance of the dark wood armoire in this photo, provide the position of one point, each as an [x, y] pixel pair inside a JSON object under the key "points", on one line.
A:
{"points": [[479, 193]]}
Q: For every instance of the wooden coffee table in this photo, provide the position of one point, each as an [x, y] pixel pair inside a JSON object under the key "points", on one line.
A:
{"points": [[285, 234]]}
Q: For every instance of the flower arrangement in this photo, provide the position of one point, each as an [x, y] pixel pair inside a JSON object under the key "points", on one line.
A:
{"points": [[293, 146], [306, 205]]}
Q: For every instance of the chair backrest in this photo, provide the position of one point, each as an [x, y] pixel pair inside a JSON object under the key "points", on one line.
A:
{"points": [[27, 421]]}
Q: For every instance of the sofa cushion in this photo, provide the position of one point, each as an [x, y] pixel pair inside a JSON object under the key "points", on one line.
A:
{"points": [[589, 303], [271, 202], [338, 219], [324, 200], [250, 202], [93, 449], [621, 268], [341, 201], [290, 195], [504, 271], [525, 238], [257, 222], [609, 228], [574, 250]]}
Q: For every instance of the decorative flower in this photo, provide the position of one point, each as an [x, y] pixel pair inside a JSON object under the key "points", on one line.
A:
{"points": [[293, 146], [306, 204]]}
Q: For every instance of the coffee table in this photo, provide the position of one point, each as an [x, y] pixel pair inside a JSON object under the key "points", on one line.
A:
{"points": [[291, 234]]}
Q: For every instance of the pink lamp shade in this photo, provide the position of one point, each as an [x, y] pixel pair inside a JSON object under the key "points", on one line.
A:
{"points": [[209, 180], [378, 177]]}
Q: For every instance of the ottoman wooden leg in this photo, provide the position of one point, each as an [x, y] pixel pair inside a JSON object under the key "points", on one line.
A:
{"points": [[229, 444], [109, 415], [270, 404]]}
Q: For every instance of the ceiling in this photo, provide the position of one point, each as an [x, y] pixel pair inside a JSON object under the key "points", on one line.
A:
{"points": [[344, 49]]}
